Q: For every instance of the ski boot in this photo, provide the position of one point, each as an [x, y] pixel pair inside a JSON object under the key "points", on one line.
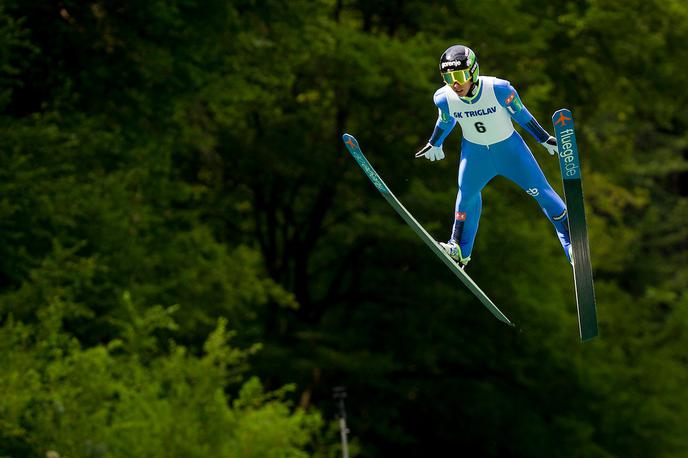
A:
{"points": [[454, 251]]}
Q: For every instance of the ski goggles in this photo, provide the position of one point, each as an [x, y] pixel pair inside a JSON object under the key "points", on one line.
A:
{"points": [[457, 76]]}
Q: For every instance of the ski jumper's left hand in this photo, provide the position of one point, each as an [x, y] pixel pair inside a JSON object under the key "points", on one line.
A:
{"points": [[551, 145]]}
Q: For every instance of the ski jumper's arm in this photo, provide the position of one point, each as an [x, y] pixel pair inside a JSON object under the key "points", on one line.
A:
{"points": [[445, 122], [509, 99]]}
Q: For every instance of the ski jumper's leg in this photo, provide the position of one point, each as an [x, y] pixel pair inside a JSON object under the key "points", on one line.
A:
{"points": [[475, 170], [517, 163]]}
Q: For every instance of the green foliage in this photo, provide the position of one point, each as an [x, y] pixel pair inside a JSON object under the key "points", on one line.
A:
{"points": [[172, 176], [103, 401]]}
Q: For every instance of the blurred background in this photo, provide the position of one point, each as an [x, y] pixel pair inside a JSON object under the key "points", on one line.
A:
{"points": [[190, 261]]}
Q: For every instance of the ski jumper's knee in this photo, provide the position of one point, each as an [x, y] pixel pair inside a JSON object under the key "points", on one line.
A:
{"points": [[466, 201]]}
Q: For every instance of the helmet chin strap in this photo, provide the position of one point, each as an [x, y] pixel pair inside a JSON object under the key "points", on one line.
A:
{"points": [[473, 91]]}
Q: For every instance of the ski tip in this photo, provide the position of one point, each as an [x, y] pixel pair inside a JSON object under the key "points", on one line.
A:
{"points": [[562, 117], [350, 142]]}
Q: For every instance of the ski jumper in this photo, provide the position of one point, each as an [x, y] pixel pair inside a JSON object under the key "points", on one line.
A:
{"points": [[492, 147]]}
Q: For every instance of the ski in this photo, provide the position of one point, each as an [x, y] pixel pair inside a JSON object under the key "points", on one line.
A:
{"points": [[573, 193], [355, 150]]}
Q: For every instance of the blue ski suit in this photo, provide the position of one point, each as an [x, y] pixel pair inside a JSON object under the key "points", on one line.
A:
{"points": [[491, 147]]}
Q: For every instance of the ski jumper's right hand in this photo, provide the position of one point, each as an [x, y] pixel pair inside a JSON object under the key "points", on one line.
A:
{"points": [[434, 153]]}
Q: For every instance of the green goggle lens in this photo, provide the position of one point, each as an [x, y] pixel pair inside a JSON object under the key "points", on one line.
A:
{"points": [[458, 76]]}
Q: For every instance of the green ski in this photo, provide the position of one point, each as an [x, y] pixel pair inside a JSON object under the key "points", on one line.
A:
{"points": [[573, 193], [355, 150]]}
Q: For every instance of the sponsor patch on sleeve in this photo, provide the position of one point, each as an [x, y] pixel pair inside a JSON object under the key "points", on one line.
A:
{"points": [[518, 106], [513, 103]]}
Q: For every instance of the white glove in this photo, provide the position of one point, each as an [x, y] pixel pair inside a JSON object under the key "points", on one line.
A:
{"points": [[434, 153], [551, 145]]}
